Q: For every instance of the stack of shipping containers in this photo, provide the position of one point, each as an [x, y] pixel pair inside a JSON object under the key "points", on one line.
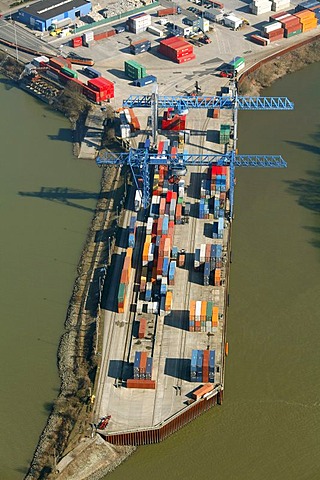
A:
{"points": [[104, 87], [140, 46], [224, 134], [134, 70], [307, 19], [142, 372], [273, 31], [203, 316], [132, 231], [139, 23], [202, 366], [177, 49], [124, 280]]}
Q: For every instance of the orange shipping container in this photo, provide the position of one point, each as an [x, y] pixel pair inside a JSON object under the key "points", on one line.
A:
{"points": [[178, 210], [203, 315], [216, 113], [205, 362], [215, 313], [168, 304], [143, 362], [192, 309], [142, 328], [145, 251], [197, 394], [146, 384], [217, 277]]}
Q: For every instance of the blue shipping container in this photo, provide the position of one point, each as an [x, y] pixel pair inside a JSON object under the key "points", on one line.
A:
{"points": [[199, 360], [212, 357], [163, 303], [206, 269], [91, 72], [133, 220], [165, 267], [149, 368], [137, 357], [131, 241], [142, 82]]}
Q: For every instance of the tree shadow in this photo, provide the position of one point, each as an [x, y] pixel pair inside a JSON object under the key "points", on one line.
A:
{"points": [[307, 190]]}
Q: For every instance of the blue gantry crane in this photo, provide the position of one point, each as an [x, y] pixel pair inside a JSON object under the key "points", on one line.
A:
{"points": [[141, 160]]}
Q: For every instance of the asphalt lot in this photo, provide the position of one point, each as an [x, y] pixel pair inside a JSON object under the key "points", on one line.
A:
{"points": [[174, 78]]}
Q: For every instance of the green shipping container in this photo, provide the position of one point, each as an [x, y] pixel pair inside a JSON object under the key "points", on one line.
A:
{"points": [[69, 72], [121, 292], [134, 70], [291, 34]]}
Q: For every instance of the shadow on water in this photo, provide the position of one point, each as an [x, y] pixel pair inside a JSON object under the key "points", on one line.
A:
{"points": [[64, 135], [65, 196], [307, 190]]}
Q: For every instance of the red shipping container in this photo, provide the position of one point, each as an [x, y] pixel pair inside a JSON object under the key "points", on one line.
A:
{"points": [[178, 210], [146, 384], [59, 62], [183, 60], [142, 328], [76, 42], [91, 94], [100, 36], [143, 362], [100, 84], [274, 39]]}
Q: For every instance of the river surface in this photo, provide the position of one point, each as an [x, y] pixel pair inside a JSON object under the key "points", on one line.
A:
{"points": [[41, 243], [269, 425]]}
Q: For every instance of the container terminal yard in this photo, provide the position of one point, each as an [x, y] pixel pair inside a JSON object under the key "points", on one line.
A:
{"points": [[166, 298], [164, 333]]}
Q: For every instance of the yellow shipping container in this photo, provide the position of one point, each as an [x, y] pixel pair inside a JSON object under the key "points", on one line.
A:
{"points": [[168, 303], [215, 312]]}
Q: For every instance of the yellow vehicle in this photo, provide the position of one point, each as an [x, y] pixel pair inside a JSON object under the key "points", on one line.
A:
{"points": [[55, 31]]}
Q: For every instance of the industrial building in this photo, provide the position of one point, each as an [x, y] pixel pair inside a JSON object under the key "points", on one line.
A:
{"points": [[42, 15]]}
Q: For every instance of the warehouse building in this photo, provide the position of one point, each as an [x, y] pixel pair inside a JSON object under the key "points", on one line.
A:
{"points": [[41, 15]]}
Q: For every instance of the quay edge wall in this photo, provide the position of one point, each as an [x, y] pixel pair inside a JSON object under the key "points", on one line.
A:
{"points": [[273, 56], [156, 435]]}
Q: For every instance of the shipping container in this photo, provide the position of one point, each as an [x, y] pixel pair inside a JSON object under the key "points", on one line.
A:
{"points": [[76, 42], [201, 391], [91, 72], [142, 82], [144, 384]]}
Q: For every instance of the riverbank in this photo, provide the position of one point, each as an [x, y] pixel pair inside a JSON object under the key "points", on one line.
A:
{"points": [[67, 410]]}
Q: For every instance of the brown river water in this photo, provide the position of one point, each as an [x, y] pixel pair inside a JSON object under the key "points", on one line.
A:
{"points": [[269, 424]]}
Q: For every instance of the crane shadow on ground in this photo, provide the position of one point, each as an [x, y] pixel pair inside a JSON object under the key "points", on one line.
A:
{"points": [[178, 368]]}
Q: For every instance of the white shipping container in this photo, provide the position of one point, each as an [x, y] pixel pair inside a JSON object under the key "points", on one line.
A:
{"points": [[38, 60], [181, 192], [278, 8], [88, 36], [155, 31], [203, 252], [125, 131], [150, 252], [271, 26], [232, 21], [150, 307], [198, 310], [149, 225], [155, 307], [139, 307]]}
